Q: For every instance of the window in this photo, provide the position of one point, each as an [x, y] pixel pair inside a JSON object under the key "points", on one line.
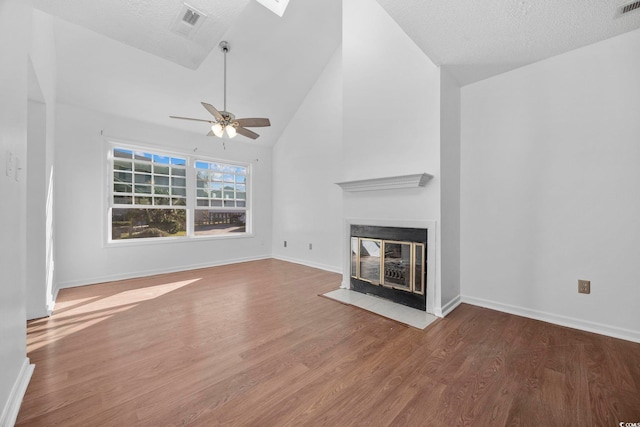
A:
{"points": [[155, 195], [221, 198], [148, 195]]}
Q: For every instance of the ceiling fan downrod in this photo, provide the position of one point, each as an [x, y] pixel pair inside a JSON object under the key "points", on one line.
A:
{"points": [[225, 47]]}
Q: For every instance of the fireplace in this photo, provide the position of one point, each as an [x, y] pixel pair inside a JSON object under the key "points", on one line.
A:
{"points": [[390, 262]]}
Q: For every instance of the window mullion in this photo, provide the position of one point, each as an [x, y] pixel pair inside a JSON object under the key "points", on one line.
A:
{"points": [[191, 195]]}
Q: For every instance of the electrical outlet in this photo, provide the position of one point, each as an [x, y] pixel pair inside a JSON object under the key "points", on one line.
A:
{"points": [[310, 246], [285, 243], [584, 286]]}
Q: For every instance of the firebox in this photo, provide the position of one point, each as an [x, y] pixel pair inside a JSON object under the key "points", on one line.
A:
{"points": [[390, 262]]}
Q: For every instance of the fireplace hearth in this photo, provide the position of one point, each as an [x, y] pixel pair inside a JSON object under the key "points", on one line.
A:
{"points": [[390, 262]]}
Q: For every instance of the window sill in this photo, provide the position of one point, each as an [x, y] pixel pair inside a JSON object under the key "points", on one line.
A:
{"points": [[171, 240]]}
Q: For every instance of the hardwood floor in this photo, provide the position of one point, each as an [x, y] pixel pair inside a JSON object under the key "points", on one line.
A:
{"points": [[254, 345]]}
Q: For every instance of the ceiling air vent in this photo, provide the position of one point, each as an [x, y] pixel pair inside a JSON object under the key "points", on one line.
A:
{"points": [[622, 10], [191, 17], [187, 21]]}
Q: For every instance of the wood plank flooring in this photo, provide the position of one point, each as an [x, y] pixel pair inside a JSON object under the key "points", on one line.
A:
{"points": [[253, 344]]}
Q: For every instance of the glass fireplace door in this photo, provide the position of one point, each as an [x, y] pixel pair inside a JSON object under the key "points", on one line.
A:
{"points": [[370, 259], [397, 265], [392, 264]]}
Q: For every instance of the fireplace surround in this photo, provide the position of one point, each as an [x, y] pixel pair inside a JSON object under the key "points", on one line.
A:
{"points": [[427, 227], [389, 262]]}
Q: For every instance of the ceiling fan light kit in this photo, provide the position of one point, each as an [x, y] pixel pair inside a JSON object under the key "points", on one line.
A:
{"points": [[224, 120], [231, 131], [217, 130]]}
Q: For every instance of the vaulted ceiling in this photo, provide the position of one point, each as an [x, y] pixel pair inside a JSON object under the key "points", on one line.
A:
{"points": [[123, 57]]}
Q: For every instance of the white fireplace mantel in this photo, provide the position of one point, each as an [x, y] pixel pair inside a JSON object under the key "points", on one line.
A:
{"points": [[386, 183]]}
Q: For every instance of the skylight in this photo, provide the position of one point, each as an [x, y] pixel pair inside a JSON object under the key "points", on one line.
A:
{"points": [[276, 6]]}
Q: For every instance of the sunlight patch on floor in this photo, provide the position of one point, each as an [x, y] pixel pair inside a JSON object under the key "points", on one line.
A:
{"points": [[94, 309]]}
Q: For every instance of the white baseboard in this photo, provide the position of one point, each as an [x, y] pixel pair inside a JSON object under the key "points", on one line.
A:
{"points": [[12, 406], [448, 307], [325, 267], [146, 273], [557, 319]]}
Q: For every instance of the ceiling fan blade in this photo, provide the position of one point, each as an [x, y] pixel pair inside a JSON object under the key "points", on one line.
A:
{"points": [[210, 108], [246, 132], [189, 118], [253, 122], [211, 133]]}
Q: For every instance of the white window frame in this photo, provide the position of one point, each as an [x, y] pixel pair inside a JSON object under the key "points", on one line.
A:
{"points": [[191, 192], [247, 184]]}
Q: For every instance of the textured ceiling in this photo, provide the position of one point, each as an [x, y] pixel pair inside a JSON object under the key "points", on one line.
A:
{"points": [[120, 56], [477, 39], [145, 24]]}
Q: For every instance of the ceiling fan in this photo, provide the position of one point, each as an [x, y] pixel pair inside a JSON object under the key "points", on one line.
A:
{"points": [[224, 120]]}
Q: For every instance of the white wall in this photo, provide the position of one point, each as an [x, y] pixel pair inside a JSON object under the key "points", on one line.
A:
{"points": [[36, 196], [41, 134], [391, 95], [391, 101], [550, 184], [307, 205], [15, 32], [81, 208], [450, 192]]}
